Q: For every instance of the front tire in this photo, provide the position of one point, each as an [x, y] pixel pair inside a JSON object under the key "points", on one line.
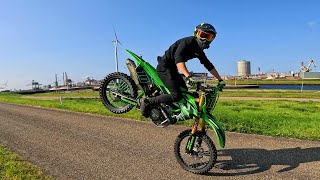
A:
{"points": [[203, 155], [117, 83]]}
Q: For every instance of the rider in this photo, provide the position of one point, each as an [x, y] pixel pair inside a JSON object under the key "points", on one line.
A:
{"points": [[175, 58]]}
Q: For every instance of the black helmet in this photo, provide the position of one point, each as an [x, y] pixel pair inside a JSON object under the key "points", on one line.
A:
{"points": [[205, 34]]}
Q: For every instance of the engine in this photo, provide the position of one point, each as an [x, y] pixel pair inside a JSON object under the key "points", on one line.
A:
{"points": [[158, 115]]}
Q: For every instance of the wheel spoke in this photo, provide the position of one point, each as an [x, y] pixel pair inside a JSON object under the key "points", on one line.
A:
{"points": [[206, 153], [114, 87], [202, 157]]}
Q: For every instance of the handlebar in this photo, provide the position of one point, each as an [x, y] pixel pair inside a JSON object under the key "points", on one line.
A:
{"points": [[199, 86]]}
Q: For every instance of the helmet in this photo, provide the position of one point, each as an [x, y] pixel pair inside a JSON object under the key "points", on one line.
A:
{"points": [[205, 34]]}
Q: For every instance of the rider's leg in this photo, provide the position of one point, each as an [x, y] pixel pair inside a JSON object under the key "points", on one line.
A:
{"points": [[173, 81]]}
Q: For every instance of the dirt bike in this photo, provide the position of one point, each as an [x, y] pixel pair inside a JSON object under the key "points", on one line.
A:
{"points": [[194, 150]]}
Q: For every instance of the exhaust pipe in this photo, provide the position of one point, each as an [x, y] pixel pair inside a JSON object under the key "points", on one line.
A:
{"points": [[133, 73]]}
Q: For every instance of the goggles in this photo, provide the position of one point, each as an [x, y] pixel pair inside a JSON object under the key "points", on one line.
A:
{"points": [[205, 35]]}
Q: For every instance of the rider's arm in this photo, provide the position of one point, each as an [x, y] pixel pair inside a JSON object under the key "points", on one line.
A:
{"points": [[215, 73], [183, 69], [179, 57], [208, 65]]}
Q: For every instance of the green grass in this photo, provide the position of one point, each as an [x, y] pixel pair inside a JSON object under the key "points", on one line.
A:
{"points": [[88, 105], [13, 167], [80, 93], [276, 118]]}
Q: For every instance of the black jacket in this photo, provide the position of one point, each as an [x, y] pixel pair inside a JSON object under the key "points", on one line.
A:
{"points": [[181, 51]]}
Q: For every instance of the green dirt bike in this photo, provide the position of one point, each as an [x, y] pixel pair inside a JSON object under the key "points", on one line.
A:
{"points": [[193, 148]]}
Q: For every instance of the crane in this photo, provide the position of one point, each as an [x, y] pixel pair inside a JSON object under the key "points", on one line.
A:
{"points": [[307, 68]]}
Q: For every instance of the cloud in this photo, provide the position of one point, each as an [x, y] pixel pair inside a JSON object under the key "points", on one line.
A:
{"points": [[312, 24]]}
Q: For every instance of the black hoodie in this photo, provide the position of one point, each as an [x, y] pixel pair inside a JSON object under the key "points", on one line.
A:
{"points": [[181, 51]]}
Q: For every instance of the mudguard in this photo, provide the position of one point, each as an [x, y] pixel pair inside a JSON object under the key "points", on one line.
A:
{"points": [[150, 70], [216, 126]]}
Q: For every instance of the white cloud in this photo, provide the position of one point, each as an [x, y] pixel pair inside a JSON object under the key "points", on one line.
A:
{"points": [[312, 24]]}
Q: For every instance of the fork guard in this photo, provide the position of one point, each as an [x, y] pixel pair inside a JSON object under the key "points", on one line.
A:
{"points": [[216, 126]]}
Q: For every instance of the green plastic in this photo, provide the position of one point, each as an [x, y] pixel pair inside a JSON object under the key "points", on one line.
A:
{"points": [[216, 126], [187, 105], [150, 70]]}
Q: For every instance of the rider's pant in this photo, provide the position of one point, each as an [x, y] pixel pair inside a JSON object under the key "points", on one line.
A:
{"points": [[173, 81]]}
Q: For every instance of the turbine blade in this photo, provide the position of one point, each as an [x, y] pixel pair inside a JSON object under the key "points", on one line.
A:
{"points": [[115, 34]]}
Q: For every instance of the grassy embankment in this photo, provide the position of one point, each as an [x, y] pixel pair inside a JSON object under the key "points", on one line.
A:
{"points": [[13, 167], [276, 118]]}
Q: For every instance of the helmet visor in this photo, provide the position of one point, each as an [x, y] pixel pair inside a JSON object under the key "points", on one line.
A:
{"points": [[205, 35]]}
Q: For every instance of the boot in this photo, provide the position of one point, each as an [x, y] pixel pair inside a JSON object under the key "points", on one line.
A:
{"points": [[143, 104]]}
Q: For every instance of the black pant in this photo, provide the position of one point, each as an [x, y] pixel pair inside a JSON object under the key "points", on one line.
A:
{"points": [[173, 81]]}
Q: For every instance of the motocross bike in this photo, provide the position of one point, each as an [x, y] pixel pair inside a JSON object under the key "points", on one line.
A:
{"points": [[194, 150]]}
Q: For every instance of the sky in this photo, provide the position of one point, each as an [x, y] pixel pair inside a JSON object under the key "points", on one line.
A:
{"points": [[41, 38]]}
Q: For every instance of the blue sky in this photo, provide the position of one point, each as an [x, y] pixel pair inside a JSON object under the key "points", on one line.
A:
{"points": [[39, 38]]}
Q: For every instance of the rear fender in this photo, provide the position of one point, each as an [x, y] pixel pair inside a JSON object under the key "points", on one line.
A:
{"points": [[216, 126], [150, 70]]}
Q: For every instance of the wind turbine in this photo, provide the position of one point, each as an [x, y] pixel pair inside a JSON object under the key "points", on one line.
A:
{"points": [[116, 41]]}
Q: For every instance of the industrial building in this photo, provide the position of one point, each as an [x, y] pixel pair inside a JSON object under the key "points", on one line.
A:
{"points": [[305, 71], [244, 68], [244, 71], [310, 75]]}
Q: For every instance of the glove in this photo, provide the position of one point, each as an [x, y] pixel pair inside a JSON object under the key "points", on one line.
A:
{"points": [[221, 84], [190, 81]]}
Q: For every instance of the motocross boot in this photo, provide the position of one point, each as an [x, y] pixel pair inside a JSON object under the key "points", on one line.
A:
{"points": [[143, 104]]}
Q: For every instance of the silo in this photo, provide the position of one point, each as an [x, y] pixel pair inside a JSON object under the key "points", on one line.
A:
{"points": [[244, 68]]}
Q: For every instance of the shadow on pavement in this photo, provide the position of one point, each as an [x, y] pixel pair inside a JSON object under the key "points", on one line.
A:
{"points": [[252, 161]]}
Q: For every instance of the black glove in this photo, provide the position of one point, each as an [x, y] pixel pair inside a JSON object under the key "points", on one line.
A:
{"points": [[191, 81], [221, 84]]}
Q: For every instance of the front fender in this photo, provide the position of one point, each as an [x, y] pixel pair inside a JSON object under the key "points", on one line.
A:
{"points": [[216, 126]]}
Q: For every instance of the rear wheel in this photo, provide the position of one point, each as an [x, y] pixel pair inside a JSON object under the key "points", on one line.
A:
{"points": [[201, 158], [115, 86]]}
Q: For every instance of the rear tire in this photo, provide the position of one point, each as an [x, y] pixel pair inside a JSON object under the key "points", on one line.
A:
{"points": [[186, 160], [117, 83]]}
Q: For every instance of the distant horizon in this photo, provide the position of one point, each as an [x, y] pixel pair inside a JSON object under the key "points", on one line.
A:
{"points": [[60, 79]]}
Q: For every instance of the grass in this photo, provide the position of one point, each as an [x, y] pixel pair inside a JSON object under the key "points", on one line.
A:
{"points": [[80, 93], [276, 118], [13, 167]]}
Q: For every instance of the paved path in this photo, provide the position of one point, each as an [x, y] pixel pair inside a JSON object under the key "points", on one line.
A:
{"points": [[72, 145]]}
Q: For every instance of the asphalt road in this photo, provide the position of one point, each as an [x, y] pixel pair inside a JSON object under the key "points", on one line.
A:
{"points": [[70, 145]]}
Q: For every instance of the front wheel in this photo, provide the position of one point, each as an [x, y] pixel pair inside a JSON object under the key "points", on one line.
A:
{"points": [[201, 158]]}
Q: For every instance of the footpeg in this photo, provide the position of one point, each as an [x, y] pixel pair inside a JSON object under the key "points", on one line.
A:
{"points": [[165, 123]]}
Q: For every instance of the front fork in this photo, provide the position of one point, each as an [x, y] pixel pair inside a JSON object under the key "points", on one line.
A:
{"points": [[196, 128]]}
